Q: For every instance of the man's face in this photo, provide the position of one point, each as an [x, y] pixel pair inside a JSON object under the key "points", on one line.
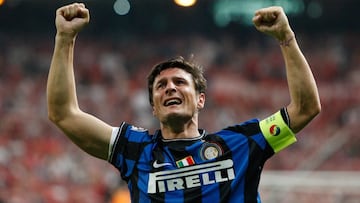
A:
{"points": [[174, 95]]}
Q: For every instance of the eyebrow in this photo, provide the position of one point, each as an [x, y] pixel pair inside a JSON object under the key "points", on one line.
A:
{"points": [[175, 77], [163, 79]]}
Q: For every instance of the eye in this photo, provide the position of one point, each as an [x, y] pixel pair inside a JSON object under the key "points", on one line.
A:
{"points": [[180, 82], [160, 85]]}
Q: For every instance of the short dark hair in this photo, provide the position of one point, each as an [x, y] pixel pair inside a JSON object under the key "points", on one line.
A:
{"points": [[195, 70]]}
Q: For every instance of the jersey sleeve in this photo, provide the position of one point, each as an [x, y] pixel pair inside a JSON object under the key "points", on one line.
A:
{"points": [[114, 134], [276, 132], [126, 145]]}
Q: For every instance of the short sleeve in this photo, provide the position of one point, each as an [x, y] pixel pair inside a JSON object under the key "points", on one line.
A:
{"points": [[114, 133]]}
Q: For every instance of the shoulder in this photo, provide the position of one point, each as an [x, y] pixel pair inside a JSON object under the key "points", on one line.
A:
{"points": [[247, 128], [128, 140], [133, 133]]}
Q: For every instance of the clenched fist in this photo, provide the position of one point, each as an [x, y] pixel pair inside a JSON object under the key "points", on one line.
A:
{"points": [[273, 21], [71, 19]]}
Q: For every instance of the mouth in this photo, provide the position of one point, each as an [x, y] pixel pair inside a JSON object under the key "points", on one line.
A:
{"points": [[173, 101]]}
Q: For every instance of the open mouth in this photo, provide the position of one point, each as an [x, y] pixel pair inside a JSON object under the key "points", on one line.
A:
{"points": [[171, 102]]}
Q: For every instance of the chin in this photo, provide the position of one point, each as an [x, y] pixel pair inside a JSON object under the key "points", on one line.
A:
{"points": [[176, 117]]}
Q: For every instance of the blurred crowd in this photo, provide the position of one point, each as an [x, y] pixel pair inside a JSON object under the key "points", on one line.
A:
{"points": [[246, 79]]}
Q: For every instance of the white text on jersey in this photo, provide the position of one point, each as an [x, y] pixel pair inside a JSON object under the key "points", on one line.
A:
{"points": [[191, 176]]}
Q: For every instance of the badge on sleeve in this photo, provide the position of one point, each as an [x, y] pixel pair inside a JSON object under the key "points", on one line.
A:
{"points": [[276, 132]]}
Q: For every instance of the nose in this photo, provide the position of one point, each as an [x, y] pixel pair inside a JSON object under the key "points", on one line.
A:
{"points": [[170, 88]]}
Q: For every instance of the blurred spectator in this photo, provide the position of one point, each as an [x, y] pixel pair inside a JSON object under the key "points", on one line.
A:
{"points": [[39, 164]]}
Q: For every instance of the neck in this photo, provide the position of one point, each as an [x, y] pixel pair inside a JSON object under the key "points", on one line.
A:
{"points": [[179, 130]]}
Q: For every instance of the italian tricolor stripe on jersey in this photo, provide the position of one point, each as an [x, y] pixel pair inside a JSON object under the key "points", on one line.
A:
{"points": [[187, 161]]}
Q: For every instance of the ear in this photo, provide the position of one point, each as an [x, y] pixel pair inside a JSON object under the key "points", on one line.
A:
{"points": [[201, 101], [153, 111]]}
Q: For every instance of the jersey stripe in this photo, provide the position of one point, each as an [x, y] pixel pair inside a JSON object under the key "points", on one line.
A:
{"points": [[227, 165], [225, 187]]}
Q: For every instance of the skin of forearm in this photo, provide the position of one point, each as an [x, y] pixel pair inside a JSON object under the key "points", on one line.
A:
{"points": [[302, 86], [61, 93]]}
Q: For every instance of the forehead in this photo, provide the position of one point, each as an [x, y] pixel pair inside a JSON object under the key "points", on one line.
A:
{"points": [[173, 73]]}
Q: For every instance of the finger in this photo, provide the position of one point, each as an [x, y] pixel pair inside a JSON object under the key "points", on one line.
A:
{"points": [[268, 14], [83, 13], [71, 11], [80, 10], [257, 19], [76, 10], [269, 17]]}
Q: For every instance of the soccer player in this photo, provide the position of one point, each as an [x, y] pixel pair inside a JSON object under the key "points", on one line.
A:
{"points": [[182, 162]]}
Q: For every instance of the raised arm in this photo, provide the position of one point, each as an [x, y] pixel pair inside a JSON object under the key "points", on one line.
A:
{"points": [[305, 102], [89, 133]]}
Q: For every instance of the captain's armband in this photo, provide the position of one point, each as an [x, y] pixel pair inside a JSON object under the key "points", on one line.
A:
{"points": [[277, 132]]}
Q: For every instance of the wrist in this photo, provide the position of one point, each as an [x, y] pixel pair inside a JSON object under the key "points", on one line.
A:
{"points": [[286, 39], [65, 37]]}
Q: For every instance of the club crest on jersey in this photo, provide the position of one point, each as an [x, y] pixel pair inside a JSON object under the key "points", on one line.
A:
{"points": [[210, 150]]}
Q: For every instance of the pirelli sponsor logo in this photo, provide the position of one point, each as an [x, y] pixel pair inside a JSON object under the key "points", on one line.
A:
{"points": [[191, 176]]}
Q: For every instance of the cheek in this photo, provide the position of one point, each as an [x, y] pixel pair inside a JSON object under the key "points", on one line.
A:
{"points": [[156, 102], [194, 102], [155, 97], [156, 109]]}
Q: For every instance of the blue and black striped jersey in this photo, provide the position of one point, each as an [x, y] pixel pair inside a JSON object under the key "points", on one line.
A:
{"points": [[216, 167]]}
